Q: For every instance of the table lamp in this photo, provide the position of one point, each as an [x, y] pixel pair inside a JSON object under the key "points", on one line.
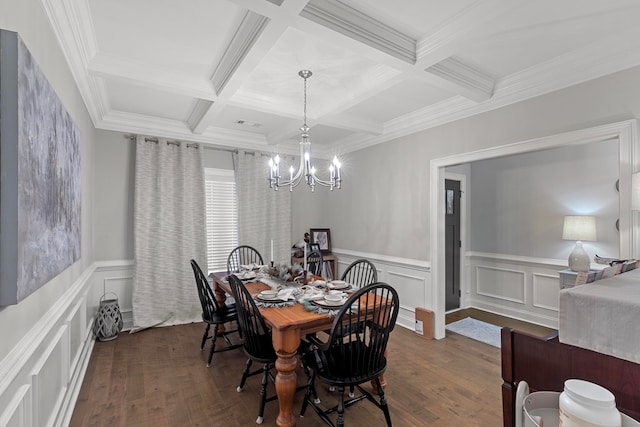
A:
{"points": [[579, 228]]}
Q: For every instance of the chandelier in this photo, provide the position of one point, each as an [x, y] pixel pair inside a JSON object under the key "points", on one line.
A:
{"points": [[305, 169]]}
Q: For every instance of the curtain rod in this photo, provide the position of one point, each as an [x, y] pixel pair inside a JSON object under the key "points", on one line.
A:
{"points": [[132, 137], [156, 140]]}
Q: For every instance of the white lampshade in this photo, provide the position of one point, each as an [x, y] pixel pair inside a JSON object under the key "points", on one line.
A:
{"points": [[579, 228]]}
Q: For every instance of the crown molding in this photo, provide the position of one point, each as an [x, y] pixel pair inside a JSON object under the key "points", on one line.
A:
{"points": [[472, 19], [72, 25], [145, 125], [478, 85], [358, 26], [243, 40], [562, 72]]}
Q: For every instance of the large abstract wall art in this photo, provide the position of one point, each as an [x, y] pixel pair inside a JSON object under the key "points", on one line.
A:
{"points": [[40, 200]]}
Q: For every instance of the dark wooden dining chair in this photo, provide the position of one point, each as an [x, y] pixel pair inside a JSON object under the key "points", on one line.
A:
{"points": [[351, 359], [213, 314], [257, 343], [315, 264], [242, 255], [360, 273]]}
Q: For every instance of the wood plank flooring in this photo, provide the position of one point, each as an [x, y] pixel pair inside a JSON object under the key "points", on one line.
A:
{"points": [[159, 377]]}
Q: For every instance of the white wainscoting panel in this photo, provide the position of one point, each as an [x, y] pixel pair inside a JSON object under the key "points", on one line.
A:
{"points": [[18, 410], [545, 291], [118, 279], [49, 379], [524, 288], [40, 377], [411, 279], [500, 283]]}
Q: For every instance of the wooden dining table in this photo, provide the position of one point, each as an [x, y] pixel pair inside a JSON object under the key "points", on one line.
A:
{"points": [[288, 325]]}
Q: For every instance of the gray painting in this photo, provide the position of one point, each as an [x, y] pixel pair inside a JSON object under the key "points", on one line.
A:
{"points": [[48, 180]]}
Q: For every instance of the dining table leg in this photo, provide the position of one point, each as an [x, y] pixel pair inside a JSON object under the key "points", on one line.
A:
{"points": [[286, 344]]}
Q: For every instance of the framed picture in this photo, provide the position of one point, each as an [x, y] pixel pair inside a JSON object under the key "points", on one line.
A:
{"points": [[315, 247], [321, 237]]}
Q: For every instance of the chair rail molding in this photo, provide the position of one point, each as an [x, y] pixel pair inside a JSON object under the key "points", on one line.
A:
{"points": [[410, 277]]}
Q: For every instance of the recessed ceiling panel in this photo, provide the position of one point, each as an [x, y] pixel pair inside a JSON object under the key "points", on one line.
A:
{"points": [[252, 121], [187, 36], [158, 56], [530, 35], [148, 102], [338, 75], [399, 100]]}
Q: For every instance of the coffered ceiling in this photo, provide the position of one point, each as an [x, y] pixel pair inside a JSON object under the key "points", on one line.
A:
{"points": [[225, 72]]}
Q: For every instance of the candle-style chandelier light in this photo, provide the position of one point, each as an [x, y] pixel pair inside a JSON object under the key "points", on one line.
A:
{"points": [[305, 169]]}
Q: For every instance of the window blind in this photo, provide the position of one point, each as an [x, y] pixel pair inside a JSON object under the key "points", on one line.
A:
{"points": [[222, 217]]}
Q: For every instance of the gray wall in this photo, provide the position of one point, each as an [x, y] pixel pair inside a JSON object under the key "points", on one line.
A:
{"points": [[114, 176], [384, 206], [28, 18], [517, 203], [114, 179]]}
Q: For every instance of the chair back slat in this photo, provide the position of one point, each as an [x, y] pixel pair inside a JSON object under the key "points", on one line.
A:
{"points": [[242, 255], [254, 330], [205, 293], [360, 273], [361, 329]]}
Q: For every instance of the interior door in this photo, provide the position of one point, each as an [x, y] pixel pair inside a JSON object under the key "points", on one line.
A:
{"points": [[452, 245]]}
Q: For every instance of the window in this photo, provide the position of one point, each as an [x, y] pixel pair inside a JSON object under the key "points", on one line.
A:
{"points": [[222, 217]]}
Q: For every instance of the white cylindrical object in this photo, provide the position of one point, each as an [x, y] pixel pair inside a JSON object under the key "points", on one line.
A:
{"points": [[585, 404], [305, 256], [271, 250]]}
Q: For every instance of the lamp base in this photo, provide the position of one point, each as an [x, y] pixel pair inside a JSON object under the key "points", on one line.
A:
{"points": [[579, 258]]}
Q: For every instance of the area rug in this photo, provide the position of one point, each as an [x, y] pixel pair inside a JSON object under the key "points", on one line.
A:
{"points": [[477, 330]]}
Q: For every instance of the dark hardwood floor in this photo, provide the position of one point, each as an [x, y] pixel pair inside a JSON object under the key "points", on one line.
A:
{"points": [[159, 377]]}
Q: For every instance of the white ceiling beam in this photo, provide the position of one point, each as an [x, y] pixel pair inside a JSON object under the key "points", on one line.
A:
{"points": [[477, 85], [356, 25], [254, 40], [352, 26], [243, 40]]}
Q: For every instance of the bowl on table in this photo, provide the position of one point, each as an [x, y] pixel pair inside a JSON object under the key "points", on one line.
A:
{"points": [[338, 284], [268, 294], [333, 298]]}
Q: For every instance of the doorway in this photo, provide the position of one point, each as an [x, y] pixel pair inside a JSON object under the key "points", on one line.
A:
{"points": [[453, 243], [624, 132]]}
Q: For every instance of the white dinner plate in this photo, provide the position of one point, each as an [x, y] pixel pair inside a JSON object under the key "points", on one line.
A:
{"points": [[269, 298], [333, 303]]}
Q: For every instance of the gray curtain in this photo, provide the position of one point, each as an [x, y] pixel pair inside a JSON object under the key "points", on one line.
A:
{"points": [[263, 214], [169, 230]]}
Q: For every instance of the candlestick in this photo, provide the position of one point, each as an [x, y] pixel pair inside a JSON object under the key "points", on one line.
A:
{"points": [[305, 260], [272, 251]]}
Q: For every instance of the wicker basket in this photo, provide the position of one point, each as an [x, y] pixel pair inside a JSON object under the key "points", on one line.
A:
{"points": [[108, 322]]}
